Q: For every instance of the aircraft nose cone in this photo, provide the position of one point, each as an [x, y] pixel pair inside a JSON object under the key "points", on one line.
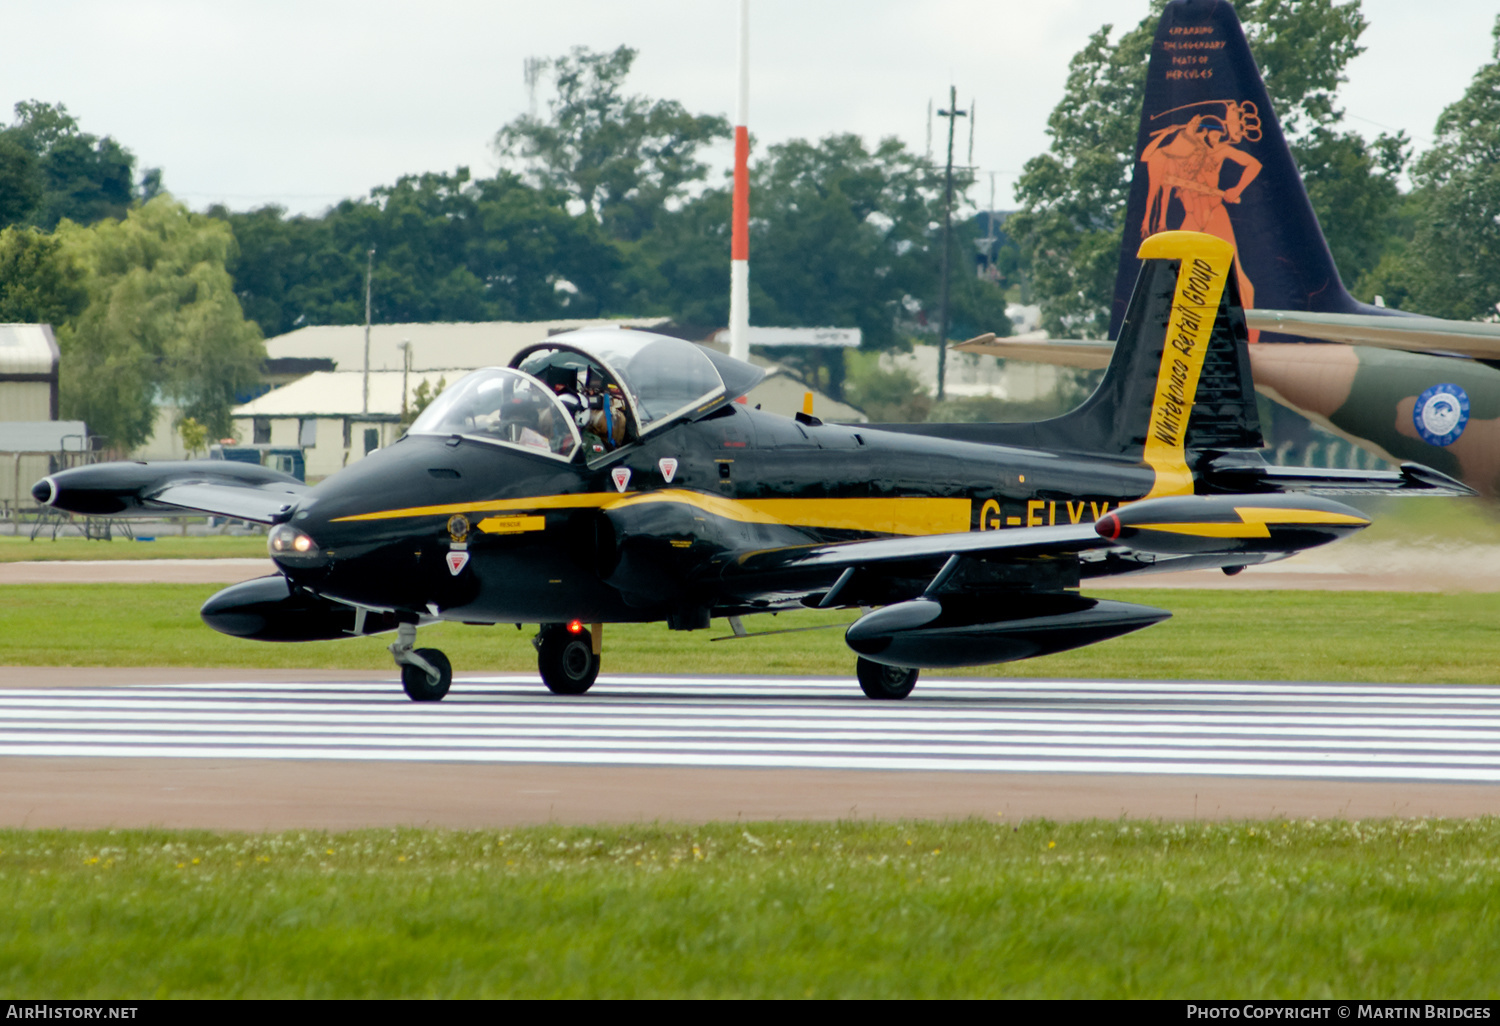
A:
{"points": [[44, 491]]}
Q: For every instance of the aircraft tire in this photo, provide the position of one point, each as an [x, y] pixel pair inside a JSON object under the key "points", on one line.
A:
{"points": [[885, 683], [567, 661], [419, 686]]}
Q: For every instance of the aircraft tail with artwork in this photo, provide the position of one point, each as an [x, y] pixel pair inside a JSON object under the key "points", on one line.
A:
{"points": [[1211, 157]]}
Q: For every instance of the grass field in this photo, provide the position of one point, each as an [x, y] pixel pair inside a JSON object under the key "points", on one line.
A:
{"points": [[20, 548], [1299, 909], [1213, 635]]}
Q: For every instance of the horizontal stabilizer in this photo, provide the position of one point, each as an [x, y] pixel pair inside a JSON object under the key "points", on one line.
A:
{"points": [[1083, 353], [1410, 479], [1474, 339]]}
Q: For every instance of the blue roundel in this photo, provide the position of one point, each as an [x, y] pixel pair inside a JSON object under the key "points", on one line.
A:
{"points": [[1441, 414]]}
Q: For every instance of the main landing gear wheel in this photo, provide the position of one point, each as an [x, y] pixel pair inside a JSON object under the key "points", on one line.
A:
{"points": [[421, 686], [566, 660], [883, 682]]}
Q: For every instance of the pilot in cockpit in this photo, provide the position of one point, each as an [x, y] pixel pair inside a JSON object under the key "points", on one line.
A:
{"points": [[594, 404]]}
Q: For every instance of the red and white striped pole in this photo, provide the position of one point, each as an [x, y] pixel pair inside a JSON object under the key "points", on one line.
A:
{"points": [[739, 241]]}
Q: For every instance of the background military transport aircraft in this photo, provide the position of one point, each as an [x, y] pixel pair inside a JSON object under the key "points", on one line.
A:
{"points": [[609, 476], [1211, 157]]}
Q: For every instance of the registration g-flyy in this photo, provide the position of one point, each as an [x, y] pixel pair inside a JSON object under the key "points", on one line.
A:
{"points": [[611, 477]]}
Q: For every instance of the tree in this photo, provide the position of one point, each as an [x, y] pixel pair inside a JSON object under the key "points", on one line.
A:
{"points": [[1074, 196], [193, 434], [162, 319], [20, 181], [624, 158], [447, 249], [849, 235], [83, 177], [39, 282], [1451, 267]]}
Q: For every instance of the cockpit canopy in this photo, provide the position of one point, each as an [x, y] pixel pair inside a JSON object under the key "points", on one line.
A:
{"points": [[660, 379], [498, 404], [594, 390]]}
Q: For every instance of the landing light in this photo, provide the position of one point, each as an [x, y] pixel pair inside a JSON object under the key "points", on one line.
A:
{"points": [[288, 544]]}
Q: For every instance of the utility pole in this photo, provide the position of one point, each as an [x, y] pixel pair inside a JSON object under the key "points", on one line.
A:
{"points": [[952, 113], [369, 271], [405, 374]]}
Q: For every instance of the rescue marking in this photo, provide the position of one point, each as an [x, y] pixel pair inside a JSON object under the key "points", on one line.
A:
{"points": [[512, 525], [457, 560], [621, 477], [668, 467]]}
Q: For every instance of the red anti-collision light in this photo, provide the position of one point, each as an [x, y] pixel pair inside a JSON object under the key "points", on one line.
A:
{"points": [[1108, 527], [575, 626]]}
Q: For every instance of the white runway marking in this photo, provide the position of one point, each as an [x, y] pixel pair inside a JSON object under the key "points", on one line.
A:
{"points": [[1328, 731]]}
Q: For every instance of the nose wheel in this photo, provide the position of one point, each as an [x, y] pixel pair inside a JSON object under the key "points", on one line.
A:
{"points": [[426, 673], [422, 685], [566, 659]]}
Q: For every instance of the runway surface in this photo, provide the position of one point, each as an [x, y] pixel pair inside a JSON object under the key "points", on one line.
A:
{"points": [[278, 752], [1326, 731]]}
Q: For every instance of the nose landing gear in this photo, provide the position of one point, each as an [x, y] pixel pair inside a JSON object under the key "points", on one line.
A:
{"points": [[568, 659], [425, 672]]}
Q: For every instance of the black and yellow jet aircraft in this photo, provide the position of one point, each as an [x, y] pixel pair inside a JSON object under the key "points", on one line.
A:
{"points": [[610, 477]]}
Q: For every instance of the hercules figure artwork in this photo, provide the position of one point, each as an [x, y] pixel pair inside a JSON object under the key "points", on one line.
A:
{"points": [[1185, 161]]}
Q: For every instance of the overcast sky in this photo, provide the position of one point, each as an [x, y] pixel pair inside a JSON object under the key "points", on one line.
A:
{"points": [[304, 102]]}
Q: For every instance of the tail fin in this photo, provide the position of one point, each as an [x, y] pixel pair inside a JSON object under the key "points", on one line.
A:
{"points": [[1179, 378], [1180, 375], [1210, 157]]}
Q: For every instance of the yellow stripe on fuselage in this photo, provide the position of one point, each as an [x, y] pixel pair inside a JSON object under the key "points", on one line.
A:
{"points": [[1204, 270], [583, 500], [905, 515]]}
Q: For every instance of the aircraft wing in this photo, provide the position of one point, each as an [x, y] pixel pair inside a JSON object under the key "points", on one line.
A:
{"points": [[1016, 542], [1474, 339], [223, 488], [1166, 533]]}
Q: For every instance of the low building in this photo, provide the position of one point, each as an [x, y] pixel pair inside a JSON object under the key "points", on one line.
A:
{"points": [[30, 439], [432, 347], [28, 372], [325, 414]]}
